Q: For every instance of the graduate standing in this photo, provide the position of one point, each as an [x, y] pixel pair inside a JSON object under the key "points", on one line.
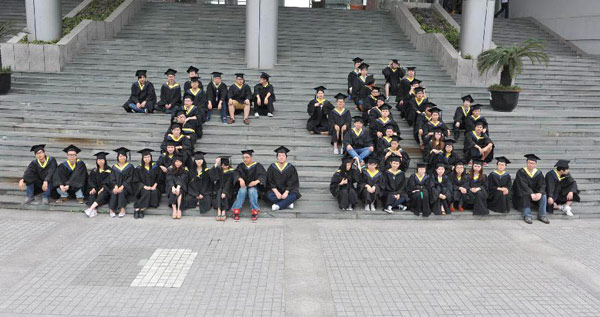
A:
{"points": [[318, 110], [38, 175], [98, 190], [147, 178], [340, 121], [393, 75], [251, 178], [71, 176], [529, 188], [216, 93], [177, 185], [283, 186], [170, 94], [394, 192], [201, 185], [343, 185], [143, 97], [561, 188], [499, 184], [418, 194], [239, 96], [120, 183], [264, 97]]}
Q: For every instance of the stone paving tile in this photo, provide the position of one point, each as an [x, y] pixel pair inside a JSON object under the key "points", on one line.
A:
{"points": [[467, 272], [580, 244], [14, 234]]}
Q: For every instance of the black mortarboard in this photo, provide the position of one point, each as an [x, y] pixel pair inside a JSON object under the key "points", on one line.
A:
{"points": [[435, 110], [411, 68], [459, 162], [340, 96], [416, 81], [170, 71], [71, 148], [199, 155], [240, 75], [216, 74], [347, 158], [192, 69], [438, 129], [357, 60], [419, 89], [468, 98], [188, 96], [532, 157], [145, 151], [38, 147], [396, 138], [369, 80], [265, 76], [475, 107], [449, 141], [394, 158], [282, 149], [320, 88], [101, 155], [421, 165], [195, 78], [363, 65], [375, 88], [389, 126], [477, 161], [395, 61], [381, 97], [385, 106], [140, 73], [429, 105], [562, 164], [122, 150], [502, 159], [226, 160], [372, 160], [170, 143], [358, 119], [249, 152]]}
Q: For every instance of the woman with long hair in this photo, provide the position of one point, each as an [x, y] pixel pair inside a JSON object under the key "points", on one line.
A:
{"points": [[343, 185], [147, 179], [477, 191], [177, 185]]}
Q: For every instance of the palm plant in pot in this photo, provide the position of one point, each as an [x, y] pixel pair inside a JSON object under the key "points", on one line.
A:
{"points": [[5, 29], [509, 62]]}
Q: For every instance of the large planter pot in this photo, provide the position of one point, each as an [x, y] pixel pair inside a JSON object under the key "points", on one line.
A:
{"points": [[504, 101], [357, 7], [4, 83]]}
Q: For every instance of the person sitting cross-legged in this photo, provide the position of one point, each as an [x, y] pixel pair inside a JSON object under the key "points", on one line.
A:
{"points": [[529, 188], [282, 182], [71, 176], [38, 175], [143, 96]]}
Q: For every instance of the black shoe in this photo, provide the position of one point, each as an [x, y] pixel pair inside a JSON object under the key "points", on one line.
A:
{"points": [[135, 215], [141, 214], [127, 109], [544, 220], [528, 220]]}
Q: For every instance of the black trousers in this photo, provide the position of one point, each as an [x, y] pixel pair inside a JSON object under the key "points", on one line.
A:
{"points": [[503, 9]]}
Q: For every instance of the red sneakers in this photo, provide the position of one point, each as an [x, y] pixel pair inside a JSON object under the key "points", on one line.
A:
{"points": [[236, 214], [254, 213]]}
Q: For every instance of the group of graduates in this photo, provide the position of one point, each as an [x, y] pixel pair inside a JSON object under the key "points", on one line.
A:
{"points": [[374, 164]]}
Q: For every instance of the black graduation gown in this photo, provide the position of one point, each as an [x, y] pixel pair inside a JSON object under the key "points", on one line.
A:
{"points": [[177, 178], [188, 85], [375, 113], [461, 115], [262, 91], [181, 141], [239, 94], [283, 179], [412, 107], [394, 184], [169, 95], [191, 128], [404, 162], [121, 177], [141, 94], [470, 122], [374, 179], [497, 201], [318, 120], [75, 177], [201, 183], [224, 183], [357, 140], [346, 194], [147, 177], [471, 139], [558, 187], [165, 161], [365, 92], [358, 84], [199, 100], [419, 200], [98, 180], [459, 199], [478, 201], [37, 173], [352, 76], [251, 173], [381, 145], [393, 77], [437, 187], [215, 94], [340, 119], [526, 184], [379, 126], [404, 89], [430, 126]]}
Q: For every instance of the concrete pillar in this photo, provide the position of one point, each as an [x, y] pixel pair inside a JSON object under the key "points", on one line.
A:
{"points": [[261, 33], [44, 20], [477, 26]]}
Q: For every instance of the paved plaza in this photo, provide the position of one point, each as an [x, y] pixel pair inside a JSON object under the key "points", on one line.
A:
{"points": [[59, 263]]}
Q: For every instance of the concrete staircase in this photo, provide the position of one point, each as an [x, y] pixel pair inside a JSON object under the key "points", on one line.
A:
{"points": [[82, 104]]}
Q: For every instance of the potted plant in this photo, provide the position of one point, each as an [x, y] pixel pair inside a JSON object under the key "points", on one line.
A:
{"points": [[5, 29], [509, 62]]}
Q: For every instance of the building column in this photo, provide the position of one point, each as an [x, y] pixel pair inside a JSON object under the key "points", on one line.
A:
{"points": [[44, 20], [261, 33], [477, 26]]}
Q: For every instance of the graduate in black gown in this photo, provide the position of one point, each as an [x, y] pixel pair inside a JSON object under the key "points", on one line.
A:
{"points": [[371, 185], [418, 194], [499, 184], [395, 150], [191, 128], [37, 178], [370, 103], [177, 185], [477, 190], [201, 187], [561, 188], [357, 141], [283, 185], [461, 115], [440, 190], [426, 129], [264, 97], [475, 117], [183, 145], [394, 191], [434, 149], [359, 82], [164, 162], [415, 106], [121, 183], [147, 178], [383, 143], [374, 110], [216, 94], [239, 97], [318, 110], [343, 185], [366, 89], [224, 176], [404, 88], [448, 157], [529, 188], [98, 190], [393, 74], [143, 97], [198, 99], [70, 178], [353, 75], [478, 145], [251, 178], [460, 186], [340, 121], [378, 126], [192, 72], [170, 94]]}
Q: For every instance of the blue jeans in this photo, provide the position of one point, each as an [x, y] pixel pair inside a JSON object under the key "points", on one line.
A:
{"points": [[541, 208], [360, 153], [78, 193], [399, 202], [31, 191], [135, 108], [282, 203], [252, 194]]}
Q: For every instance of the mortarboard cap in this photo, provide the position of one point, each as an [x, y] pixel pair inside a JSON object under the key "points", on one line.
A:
{"points": [[421, 165], [480, 122], [239, 75], [477, 161], [467, 98], [194, 79], [395, 61], [502, 159], [416, 81], [101, 155], [170, 143], [216, 74], [179, 112], [140, 73], [435, 109], [320, 88], [375, 88], [122, 150], [411, 68], [265, 76], [71, 148], [178, 157], [438, 164], [282, 149], [175, 125], [381, 97], [170, 71], [363, 65], [340, 96], [358, 119], [370, 80], [476, 107], [449, 141], [249, 152], [385, 106], [225, 160], [394, 158], [192, 69], [145, 151], [419, 89], [347, 158], [199, 155], [532, 157], [562, 164], [396, 138], [37, 148], [188, 96], [459, 162], [357, 60]]}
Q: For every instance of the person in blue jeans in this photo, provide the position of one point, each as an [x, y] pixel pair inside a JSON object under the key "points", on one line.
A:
{"points": [[357, 141], [143, 97], [71, 176], [38, 175], [282, 182], [251, 178], [529, 188]]}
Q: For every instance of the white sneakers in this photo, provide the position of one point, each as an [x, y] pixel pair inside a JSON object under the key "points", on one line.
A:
{"points": [[567, 210], [275, 207], [291, 206], [270, 115], [336, 151], [389, 210], [256, 115]]}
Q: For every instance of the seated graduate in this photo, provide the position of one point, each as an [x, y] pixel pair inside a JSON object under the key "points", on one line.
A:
{"points": [[120, 183], [343, 184], [224, 176], [251, 178], [191, 128], [377, 128], [264, 97], [365, 91], [143, 96], [499, 184], [38, 175], [98, 191], [216, 94], [340, 121], [147, 178], [393, 74], [404, 89], [478, 145], [529, 188], [395, 150], [427, 127], [461, 115], [239, 96], [183, 145], [460, 186], [166, 160], [201, 185], [353, 75], [383, 143], [477, 191], [170, 94], [394, 190], [475, 117], [416, 105], [371, 184], [318, 110], [375, 111], [283, 186], [435, 147], [561, 188], [199, 101], [418, 194], [370, 102], [359, 83], [357, 141], [440, 190], [192, 72], [450, 156], [71, 176], [177, 185]]}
